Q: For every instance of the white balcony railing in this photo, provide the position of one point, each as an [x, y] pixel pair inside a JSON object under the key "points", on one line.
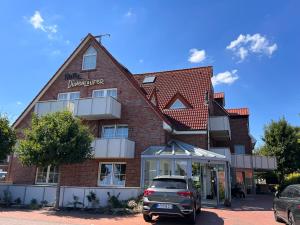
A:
{"points": [[222, 151], [219, 126], [254, 161], [113, 148], [86, 108]]}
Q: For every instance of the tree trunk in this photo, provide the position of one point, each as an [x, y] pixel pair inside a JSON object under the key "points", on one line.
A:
{"points": [[57, 189]]}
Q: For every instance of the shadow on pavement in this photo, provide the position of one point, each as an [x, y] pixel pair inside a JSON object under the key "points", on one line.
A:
{"points": [[205, 218], [250, 203], [85, 215]]}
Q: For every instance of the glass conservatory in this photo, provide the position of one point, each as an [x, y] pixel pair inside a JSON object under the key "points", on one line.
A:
{"points": [[210, 171]]}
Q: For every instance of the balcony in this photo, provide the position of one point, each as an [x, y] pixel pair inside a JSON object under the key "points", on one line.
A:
{"points": [[113, 148], [86, 108], [222, 151], [254, 161], [219, 127]]}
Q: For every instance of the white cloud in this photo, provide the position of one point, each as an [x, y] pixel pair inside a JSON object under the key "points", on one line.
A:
{"points": [[38, 23], [251, 44], [19, 103], [141, 60], [129, 13], [227, 77], [197, 56]]}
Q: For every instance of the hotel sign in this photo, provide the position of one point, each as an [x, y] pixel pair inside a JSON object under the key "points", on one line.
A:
{"points": [[75, 80]]}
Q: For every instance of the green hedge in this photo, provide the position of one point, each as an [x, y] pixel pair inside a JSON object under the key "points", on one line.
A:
{"points": [[293, 178]]}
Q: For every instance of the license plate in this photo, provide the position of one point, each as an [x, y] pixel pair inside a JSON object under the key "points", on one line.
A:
{"points": [[164, 206]]}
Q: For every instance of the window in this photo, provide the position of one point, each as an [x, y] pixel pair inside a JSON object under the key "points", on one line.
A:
{"points": [[168, 183], [105, 92], [180, 167], [89, 59], [46, 175], [149, 79], [239, 149], [177, 105], [115, 131], [68, 96], [112, 174]]}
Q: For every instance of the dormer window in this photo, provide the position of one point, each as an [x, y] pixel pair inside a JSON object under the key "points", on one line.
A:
{"points": [[177, 105], [89, 59], [178, 102], [149, 80]]}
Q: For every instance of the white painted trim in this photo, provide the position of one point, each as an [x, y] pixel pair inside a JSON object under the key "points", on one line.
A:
{"points": [[57, 74], [47, 177], [105, 92], [68, 95], [115, 130]]}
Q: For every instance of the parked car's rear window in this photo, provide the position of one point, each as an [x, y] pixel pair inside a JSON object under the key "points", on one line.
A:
{"points": [[168, 183]]}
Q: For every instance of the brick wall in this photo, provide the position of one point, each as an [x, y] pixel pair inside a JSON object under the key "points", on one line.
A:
{"points": [[240, 133], [145, 126]]}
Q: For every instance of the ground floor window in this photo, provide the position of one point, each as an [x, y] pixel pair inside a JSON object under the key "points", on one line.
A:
{"points": [[47, 175], [112, 174]]}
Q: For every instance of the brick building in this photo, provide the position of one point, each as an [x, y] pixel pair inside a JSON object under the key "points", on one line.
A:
{"points": [[145, 125]]}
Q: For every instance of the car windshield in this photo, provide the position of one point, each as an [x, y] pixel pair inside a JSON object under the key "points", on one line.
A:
{"points": [[168, 183]]}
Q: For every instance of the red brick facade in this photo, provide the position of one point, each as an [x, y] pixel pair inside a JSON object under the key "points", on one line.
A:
{"points": [[145, 123], [145, 126]]}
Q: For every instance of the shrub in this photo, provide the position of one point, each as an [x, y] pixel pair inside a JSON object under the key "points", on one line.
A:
{"points": [[18, 201], [44, 203], [75, 202], [7, 197], [92, 199], [293, 178], [34, 204], [132, 204], [113, 201]]}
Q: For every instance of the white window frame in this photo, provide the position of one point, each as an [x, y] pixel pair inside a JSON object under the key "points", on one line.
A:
{"points": [[47, 176], [111, 180], [85, 54], [105, 92], [115, 130], [68, 94]]}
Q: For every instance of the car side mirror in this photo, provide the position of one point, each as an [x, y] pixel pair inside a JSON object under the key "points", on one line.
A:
{"points": [[277, 195]]}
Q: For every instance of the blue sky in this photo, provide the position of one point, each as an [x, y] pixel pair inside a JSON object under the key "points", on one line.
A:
{"points": [[253, 46]]}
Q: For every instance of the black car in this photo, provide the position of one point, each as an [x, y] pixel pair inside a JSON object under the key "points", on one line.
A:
{"points": [[287, 205]]}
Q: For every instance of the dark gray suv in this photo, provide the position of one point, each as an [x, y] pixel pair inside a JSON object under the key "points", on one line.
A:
{"points": [[171, 196]]}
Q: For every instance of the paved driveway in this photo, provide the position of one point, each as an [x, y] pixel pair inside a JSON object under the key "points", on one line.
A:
{"points": [[255, 210]]}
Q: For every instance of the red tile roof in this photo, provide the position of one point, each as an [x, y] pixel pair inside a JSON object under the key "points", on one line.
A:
{"points": [[219, 95], [238, 112], [192, 84]]}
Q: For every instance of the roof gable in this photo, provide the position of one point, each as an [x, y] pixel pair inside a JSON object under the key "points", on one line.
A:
{"points": [[86, 43], [192, 84]]}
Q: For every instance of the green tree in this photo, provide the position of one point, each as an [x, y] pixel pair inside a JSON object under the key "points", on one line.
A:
{"points": [[281, 141], [262, 150], [55, 139], [7, 138]]}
